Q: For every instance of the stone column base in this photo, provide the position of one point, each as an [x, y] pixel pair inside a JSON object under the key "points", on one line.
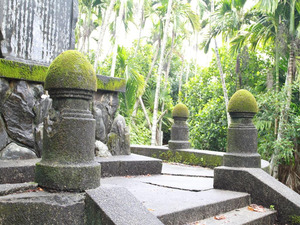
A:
{"points": [[71, 177], [179, 145], [251, 160]]}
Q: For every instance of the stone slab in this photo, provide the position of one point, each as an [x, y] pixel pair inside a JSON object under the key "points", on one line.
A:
{"points": [[243, 216], [116, 84], [17, 171], [185, 170], [179, 182], [6, 189], [124, 165], [116, 206], [173, 206], [42, 208], [263, 188]]}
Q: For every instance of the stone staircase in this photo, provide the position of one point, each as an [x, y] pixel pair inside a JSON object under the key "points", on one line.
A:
{"points": [[185, 195]]}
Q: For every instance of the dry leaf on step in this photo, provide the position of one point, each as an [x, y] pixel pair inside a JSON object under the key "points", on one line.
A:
{"points": [[221, 217], [256, 208]]}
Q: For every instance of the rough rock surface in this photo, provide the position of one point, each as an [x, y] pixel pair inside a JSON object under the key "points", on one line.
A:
{"points": [[118, 139], [23, 107], [14, 151], [105, 108], [101, 149]]}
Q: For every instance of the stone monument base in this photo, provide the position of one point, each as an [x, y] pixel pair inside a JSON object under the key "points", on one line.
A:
{"points": [[173, 145], [251, 160], [73, 177], [42, 207]]}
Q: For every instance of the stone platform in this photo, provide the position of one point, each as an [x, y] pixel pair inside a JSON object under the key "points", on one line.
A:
{"points": [[180, 195], [19, 171]]}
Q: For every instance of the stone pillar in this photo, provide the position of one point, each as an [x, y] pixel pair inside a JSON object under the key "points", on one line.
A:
{"points": [[242, 134], [179, 130], [69, 131]]}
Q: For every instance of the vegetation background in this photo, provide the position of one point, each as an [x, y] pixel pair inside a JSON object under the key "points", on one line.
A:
{"points": [[255, 46]]}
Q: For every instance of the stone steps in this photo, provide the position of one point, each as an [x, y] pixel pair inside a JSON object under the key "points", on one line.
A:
{"points": [[207, 208], [241, 216]]}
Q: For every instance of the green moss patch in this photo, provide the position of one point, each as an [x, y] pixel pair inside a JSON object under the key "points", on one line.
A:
{"points": [[242, 101], [22, 71], [111, 84], [180, 110], [189, 158], [71, 69]]}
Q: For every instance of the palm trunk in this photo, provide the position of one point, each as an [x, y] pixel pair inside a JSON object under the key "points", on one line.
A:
{"points": [[145, 112], [221, 73], [223, 83], [142, 23], [115, 50], [160, 66], [136, 105], [104, 24], [180, 83], [284, 113]]}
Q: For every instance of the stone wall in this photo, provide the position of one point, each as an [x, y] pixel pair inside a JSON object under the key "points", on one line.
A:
{"points": [[24, 105]]}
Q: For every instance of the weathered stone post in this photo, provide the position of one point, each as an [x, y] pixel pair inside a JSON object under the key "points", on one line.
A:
{"points": [[242, 134], [179, 130], [69, 131], [241, 164]]}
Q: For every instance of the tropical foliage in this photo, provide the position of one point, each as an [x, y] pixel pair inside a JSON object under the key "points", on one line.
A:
{"points": [[255, 45]]}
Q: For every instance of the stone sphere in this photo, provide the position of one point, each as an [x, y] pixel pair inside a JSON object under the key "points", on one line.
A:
{"points": [[180, 110], [71, 70], [242, 101]]}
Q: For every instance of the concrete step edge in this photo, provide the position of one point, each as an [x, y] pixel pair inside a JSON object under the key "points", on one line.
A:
{"points": [[241, 216], [204, 211]]}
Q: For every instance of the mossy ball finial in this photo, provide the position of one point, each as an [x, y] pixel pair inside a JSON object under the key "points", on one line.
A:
{"points": [[242, 101], [180, 110], [71, 70]]}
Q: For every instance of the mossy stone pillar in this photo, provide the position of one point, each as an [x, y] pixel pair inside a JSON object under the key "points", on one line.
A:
{"points": [[69, 131], [180, 130], [242, 134]]}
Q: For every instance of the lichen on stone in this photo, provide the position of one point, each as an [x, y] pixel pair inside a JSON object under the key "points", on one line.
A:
{"points": [[22, 71], [180, 110], [242, 101], [71, 70], [111, 84]]}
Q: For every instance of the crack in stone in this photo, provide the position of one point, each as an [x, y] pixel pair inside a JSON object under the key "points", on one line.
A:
{"points": [[187, 175], [177, 188]]}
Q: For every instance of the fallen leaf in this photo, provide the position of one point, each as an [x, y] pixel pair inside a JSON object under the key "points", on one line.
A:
{"points": [[221, 217], [256, 208], [151, 209]]}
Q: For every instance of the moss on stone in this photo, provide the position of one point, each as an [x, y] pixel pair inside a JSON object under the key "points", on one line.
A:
{"points": [[22, 71], [180, 110], [71, 70], [189, 158], [242, 101], [111, 84]]}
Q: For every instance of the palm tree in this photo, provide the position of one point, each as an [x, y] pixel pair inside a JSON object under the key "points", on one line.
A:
{"points": [[124, 15], [104, 24], [160, 67]]}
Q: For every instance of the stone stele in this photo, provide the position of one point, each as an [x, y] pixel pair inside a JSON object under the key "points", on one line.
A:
{"points": [[36, 31]]}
